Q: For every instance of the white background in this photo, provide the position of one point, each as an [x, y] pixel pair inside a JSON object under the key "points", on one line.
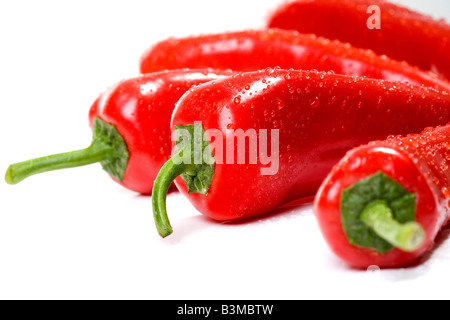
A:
{"points": [[75, 234]]}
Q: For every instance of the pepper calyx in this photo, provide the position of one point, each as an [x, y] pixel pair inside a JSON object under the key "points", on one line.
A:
{"points": [[194, 151], [395, 207], [115, 163]]}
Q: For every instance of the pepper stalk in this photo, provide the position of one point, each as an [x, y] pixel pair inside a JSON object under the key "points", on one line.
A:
{"points": [[107, 147], [193, 161]]}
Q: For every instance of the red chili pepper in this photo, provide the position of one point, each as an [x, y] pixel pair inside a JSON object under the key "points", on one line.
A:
{"points": [[254, 50], [131, 127], [385, 202], [319, 117], [404, 35]]}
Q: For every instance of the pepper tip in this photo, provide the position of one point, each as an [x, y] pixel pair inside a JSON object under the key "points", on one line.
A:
{"points": [[9, 176], [165, 233], [414, 236]]}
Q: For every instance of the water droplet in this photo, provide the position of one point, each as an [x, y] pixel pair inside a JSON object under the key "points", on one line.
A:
{"points": [[237, 100], [273, 113], [269, 71], [446, 192], [414, 143], [315, 103], [373, 269], [435, 180]]}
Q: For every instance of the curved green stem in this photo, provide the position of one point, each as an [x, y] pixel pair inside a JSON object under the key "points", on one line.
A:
{"points": [[166, 176], [407, 237], [98, 151], [192, 145], [108, 147]]}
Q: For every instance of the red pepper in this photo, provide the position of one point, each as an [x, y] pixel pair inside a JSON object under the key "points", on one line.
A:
{"points": [[319, 117], [131, 126], [385, 202], [403, 34], [253, 50]]}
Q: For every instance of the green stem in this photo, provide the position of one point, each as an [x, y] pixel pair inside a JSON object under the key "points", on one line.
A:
{"points": [[192, 145], [407, 237], [98, 151], [166, 176]]}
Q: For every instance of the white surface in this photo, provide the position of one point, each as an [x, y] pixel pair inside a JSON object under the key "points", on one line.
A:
{"points": [[75, 234]]}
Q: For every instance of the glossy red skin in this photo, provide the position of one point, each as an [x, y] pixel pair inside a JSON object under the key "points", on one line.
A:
{"points": [[141, 109], [320, 116], [405, 35], [257, 49], [419, 163]]}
